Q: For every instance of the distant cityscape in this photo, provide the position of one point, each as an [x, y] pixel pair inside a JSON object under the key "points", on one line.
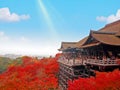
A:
{"points": [[14, 56]]}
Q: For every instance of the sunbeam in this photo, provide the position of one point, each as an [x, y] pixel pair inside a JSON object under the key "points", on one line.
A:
{"points": [[48, 20]]}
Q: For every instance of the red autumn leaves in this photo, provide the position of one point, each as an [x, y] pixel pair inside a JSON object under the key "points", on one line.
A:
{"points": [[102, 81], [33, 74]]}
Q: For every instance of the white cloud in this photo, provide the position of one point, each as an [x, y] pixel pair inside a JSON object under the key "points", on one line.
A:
{"points": [[110, 18], [7, 16], [26, 46]]}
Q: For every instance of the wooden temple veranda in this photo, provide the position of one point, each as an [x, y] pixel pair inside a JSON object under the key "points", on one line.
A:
{"points": [[100, 51]]}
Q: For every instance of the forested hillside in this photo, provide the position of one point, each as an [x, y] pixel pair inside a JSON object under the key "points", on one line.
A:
{"points": [[6, 62], [31, 74]]}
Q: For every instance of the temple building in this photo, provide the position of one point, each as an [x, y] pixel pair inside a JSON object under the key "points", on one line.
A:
{"points": [[99, 51]]}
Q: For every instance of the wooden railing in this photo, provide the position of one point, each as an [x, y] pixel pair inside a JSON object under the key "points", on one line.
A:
{"points": [[93, 61], [90, 61], [71, 61]]}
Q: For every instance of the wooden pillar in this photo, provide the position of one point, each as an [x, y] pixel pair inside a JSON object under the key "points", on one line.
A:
{"points": [[104, 53]]}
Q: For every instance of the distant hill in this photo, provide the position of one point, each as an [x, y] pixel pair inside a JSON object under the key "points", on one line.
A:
{"points": [[5, 62]]}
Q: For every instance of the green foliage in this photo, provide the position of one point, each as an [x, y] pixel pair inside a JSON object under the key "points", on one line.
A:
{"points": [[6, 62]]}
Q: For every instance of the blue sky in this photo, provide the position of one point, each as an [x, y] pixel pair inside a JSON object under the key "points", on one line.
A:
{"points": [[37, 27]]}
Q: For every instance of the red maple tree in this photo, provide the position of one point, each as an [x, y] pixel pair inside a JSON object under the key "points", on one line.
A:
{"points": [[32, 74], [102, 81]]}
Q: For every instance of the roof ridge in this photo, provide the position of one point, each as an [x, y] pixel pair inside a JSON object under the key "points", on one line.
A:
{"points": [[99, 32], [69, 42], [109, 26], [113, 23]]}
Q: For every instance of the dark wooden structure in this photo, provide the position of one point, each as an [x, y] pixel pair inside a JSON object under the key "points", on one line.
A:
{"points": [[102, 50], [99, 51]]}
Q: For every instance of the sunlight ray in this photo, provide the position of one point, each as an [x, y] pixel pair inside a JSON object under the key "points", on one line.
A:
{"points": [[48, 20]]}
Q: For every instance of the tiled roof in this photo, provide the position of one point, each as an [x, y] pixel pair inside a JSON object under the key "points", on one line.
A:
{"points": [[112, 27], [90, 45], [105, 38], [81, 42], [110, 35], [66, 45], [118, 34]]}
